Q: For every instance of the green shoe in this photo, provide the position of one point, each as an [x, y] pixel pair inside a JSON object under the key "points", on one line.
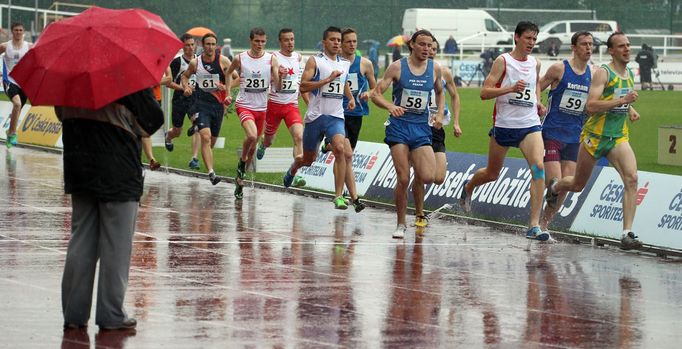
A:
{"points": [[299, 182], [340, 203]]}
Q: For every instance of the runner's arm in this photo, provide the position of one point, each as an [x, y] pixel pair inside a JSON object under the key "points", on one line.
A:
{"points": [[594, 105], [377, 95], [307, 84], [454, 99], [440, 97], [234, 65], [184, 78], [552, 76], [538, 92], [349, 95], [369, 75], [490, 89]]}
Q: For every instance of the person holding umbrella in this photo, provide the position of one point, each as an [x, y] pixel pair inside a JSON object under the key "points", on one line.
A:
{"points": [[105, 105], [14, 50]]}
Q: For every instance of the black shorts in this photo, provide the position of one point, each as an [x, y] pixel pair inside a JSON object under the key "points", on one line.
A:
{"points": [[438, 140], [645, 75], [353, 125], [181, 106], [209, 115], [12, 90]]}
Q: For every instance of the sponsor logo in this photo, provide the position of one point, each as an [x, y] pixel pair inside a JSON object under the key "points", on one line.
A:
{"points": [[673, 219]]}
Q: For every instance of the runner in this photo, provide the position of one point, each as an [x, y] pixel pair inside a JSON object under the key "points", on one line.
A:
{"points": [[256, 69], [326, 76], [437, 137], [606, 133], [283, 103], [211, 96], [14, 51], [183, 105], [514, 83], [570, 81], [407, 130]]}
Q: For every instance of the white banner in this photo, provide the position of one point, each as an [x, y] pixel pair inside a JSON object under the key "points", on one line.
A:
{"points": [[669, 72], [5, 111], [367, 160], [658, 220]]}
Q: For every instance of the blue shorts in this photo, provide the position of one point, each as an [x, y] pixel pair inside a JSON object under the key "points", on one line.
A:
{"points": [[512, 137], [324, 126], [558, 151], [414, 135], [209, 115]]}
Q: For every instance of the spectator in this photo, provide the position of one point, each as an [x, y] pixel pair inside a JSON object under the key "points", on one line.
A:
{"points": [[450, 46], [646, 58], [227, 48], [373, 54]]}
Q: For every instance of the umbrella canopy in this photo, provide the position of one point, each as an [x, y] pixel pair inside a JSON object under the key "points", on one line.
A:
{"points": [[97, 57], [398, 40], [199, 31]]}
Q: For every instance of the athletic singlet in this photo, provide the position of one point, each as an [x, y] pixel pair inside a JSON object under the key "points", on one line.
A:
{"points": [[11, 58], [612, 123], [328, 99], [184, 64], [254, 81], [565, 116], [517, 109], [289, 92], [208, 75], [358, 84], [412, 92], [433, 107]]}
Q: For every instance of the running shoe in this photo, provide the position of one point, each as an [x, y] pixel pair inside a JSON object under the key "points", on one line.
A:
{"points": [[323, 147], [213, 178], [551, 197], [11, 140], [340, 203], [299, 182], [465, 199], [399, 232], [260, 152], [238, 191], [535, 233], [629, 242], [288, 179], [168, 144], [192, 129], [194, 164], [358, 205], [421, 221], [154, 165]]}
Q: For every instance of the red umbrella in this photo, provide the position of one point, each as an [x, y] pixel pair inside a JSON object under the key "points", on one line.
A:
{"points": [[97, 57]]}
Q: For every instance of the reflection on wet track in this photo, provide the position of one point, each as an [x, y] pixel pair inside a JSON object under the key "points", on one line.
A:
{"points": [[286, 271]]}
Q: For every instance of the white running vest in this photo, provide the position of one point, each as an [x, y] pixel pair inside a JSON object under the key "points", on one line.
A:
{"points": [[12, 57], [328, 99], [517, 109], [254, 81], [289, 92]]}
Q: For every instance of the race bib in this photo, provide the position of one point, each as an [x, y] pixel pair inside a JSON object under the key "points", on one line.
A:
{"points": [[289, 85], [573, 102], [207, 81], [256, 83], [414, 101], [333, 89], [193, 81], [525, 98], [433, 107], [353, 83], [619, 93]]}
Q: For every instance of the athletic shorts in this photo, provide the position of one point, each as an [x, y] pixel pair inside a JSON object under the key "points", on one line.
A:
{"points": [[558, 151], [353, 125], [258, 117], [277, 112], [512, 137], [181, 107], [12, 90], [438, 139], [210, 115], [598, 146], [414, 135], [324, 126]]}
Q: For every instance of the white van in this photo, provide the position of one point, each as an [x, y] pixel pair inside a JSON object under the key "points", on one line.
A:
{"points": [[468, 27], [559, 33]]}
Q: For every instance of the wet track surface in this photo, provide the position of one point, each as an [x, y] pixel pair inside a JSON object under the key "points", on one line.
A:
{"points": [[279, 270]]}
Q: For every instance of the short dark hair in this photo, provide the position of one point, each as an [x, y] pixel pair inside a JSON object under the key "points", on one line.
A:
{"points": [[208, 35], [346, 31], [609, 41], [525, 26], [416, 34], [256, 31], [435, 41], [186, 37], [16, 24], [284, 31], [330, 29], [576, 37]]}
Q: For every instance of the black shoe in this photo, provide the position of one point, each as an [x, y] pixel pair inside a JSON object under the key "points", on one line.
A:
{"points": [[68, 326], [127, 324], [192, 130], [629, 242], [358, 205], [213, 178]]}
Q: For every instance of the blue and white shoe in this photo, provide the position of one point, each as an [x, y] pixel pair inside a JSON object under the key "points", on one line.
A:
{"points": [[465, 199], [535, 233], [288, 179]]}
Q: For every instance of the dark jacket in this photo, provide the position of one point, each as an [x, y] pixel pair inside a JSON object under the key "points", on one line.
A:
{"points": [[645, 59], [102, 147]]}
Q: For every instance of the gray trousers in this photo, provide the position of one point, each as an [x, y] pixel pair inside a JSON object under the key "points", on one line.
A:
{"points": [[104, 231]]}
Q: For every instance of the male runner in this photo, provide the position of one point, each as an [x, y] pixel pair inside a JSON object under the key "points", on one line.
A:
{"points": [[606, 133], [256, 69], [325, 77], [514, 83], [283, 103], [14, 51], [570, 81], [211, 96], [183, 105], [438, 137], [407, 130]]}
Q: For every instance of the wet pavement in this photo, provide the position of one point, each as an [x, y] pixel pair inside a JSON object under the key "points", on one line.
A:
{"points": [[279, 270]]}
